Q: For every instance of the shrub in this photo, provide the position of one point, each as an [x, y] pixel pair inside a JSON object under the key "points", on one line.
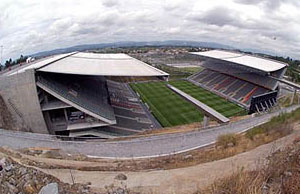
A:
{"points": [[280, 124], [227, 140], [279, 174]]}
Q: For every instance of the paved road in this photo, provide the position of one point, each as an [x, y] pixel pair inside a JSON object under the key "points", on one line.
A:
{"points": [[139, 147]]}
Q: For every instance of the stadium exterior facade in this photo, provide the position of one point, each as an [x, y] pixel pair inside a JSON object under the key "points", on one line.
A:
{"points": [[68, 94]]}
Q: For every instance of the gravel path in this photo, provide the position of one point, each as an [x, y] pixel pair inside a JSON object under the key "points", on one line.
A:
{"points": [[152, 146]]}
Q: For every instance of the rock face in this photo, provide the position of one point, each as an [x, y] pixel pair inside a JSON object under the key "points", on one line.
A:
{"points": [[51, 188], [15, 178]]}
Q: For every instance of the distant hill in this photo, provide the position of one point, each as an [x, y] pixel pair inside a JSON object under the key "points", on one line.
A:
{"points": [[131, 44]]}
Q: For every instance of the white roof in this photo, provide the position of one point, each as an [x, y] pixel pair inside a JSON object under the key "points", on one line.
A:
{"points": [[255, 62], [102, 64], [92, 64], [38, 64]]}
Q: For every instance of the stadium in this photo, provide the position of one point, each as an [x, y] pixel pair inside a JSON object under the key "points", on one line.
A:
{"points": [[89, 95]]}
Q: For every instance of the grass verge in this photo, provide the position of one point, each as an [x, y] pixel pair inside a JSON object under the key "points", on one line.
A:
{"points": [[280, 175]]}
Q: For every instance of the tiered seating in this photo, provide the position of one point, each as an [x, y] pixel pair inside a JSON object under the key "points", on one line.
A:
{"points": [[230, 86], [225, 82], [230, 89], [128, 110], [241, 94], [252, 77]]}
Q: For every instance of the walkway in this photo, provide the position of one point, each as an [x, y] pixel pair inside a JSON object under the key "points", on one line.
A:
{"points": [[143, 147]]}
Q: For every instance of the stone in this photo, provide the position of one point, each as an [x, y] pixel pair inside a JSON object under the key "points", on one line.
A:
{"points": [[287, 173], [12, 181], [45, 180], [89, 183], [120, 191], [8, 168], [230, 144], [1, 168], [28, 188], [11, 188], [51, 188], [188, 157], [2, 161], [121, 177], [22, 171]]}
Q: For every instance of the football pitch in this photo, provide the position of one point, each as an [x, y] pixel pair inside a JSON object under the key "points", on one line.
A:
{"points": [[170, 109]]}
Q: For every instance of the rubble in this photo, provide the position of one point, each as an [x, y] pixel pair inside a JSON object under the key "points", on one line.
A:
{"points": [[15, 178]]}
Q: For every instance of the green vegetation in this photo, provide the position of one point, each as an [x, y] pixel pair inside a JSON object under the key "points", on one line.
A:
{"points": [[214, 101], [293, 70], [175, 72], [227, 140], [9, 63], [280, 124], [279, 174], [191, 69], [170, 109]]}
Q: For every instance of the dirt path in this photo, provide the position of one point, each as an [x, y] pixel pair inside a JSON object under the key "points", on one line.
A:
{"points": [[183, 180]]}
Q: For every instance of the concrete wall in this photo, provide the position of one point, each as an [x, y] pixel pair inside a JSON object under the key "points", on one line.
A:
{"points": [[20, 96]]}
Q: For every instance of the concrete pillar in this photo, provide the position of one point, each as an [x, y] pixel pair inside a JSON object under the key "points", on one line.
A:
{"points": [[46, 97], [257, 109], [206, 121], [267, 105], [263, 108], [274, 102], [66, 116], [293, 96]]}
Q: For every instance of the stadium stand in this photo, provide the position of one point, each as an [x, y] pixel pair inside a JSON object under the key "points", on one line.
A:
{"points": [[228, 85], [88, 92], [106, 98], [253, 77], [130, 113], [240, 77]]}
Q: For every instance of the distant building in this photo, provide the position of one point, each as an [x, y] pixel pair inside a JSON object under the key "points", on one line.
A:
{"points": [[30, 59]]}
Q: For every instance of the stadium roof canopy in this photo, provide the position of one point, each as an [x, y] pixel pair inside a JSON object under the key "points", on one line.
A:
{"points": [[255, 62], [93, 64]]}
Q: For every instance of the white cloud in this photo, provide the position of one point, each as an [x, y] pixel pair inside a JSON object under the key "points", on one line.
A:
{"points": [[28, 26]]}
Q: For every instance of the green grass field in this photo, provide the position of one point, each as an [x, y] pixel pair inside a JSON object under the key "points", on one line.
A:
{"points": [[170, 109], [214, 101]]}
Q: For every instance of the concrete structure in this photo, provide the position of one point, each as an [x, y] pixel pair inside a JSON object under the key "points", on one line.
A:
{"points": [[68, 92], [20, 95], [248, 80]]}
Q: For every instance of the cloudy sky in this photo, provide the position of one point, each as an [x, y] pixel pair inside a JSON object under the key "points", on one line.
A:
{"points": [[29, 26]]}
